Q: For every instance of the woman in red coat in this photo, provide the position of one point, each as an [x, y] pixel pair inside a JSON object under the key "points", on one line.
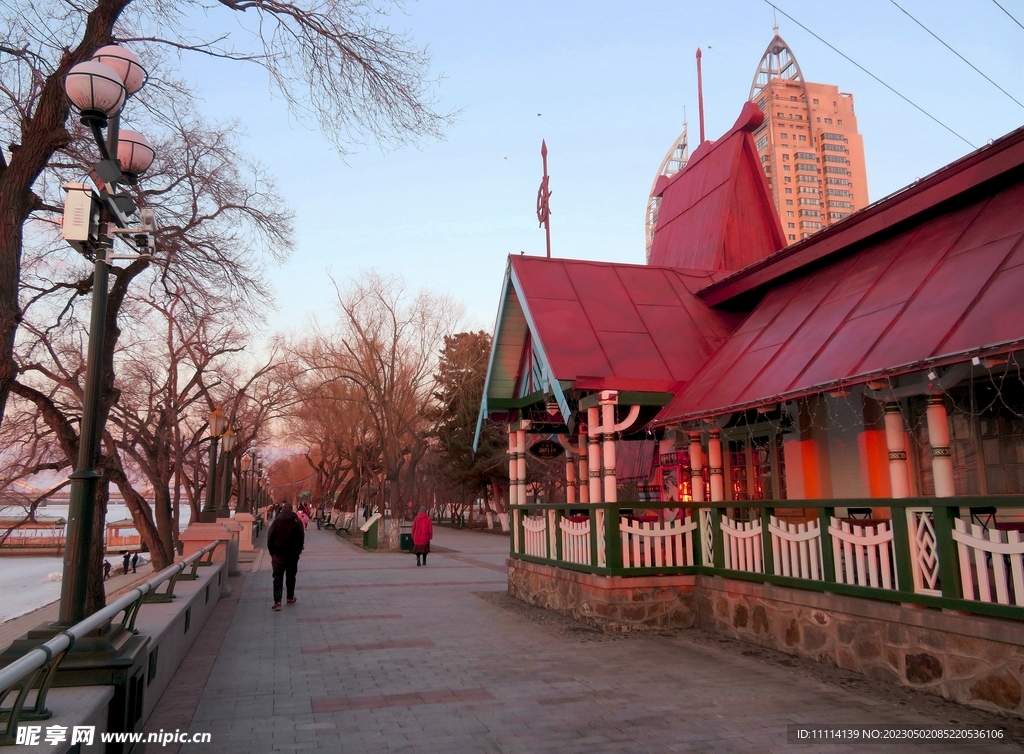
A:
{"points": [[422, 533]]}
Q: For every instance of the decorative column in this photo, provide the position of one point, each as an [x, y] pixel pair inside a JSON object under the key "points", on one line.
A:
{"points": [[521, 460], [570, 478], [938, 438], [696, 468], [896, 441], [715, 467], [609, 399], [584, 472], [594, 453], [513, 468]]}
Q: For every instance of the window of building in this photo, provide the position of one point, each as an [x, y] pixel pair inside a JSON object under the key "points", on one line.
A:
{"points": [[837, 182], [754, 467], [787, 179], [815, 102], [834, 148], [761, 104], [838, 192], [837, 215], [789, 213], [819, 120], [810, 213], [836, 158], [841, 205], [803, 138], [784, 136], [808, 190], [789, 191], [780, 115], [807, 178], [790, 225], [836, 171], [810, 202], [832, 137], [829, 121], [789, 202], [839, 123], [809, 224], [785, 156], [799, 117], [768, 169], [806, 166], [792, 237], [806, 156], [762, 142]]}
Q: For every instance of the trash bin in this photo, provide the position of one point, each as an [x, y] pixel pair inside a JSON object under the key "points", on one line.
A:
{"points": [[370, 530], [406, 542]]}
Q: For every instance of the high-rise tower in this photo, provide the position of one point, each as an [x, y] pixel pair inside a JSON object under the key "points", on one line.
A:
{"points": [[675, 160], [809, 146]]}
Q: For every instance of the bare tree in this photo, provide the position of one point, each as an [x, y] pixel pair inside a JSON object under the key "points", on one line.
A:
{"points": [[384, 350], [334, 60]]}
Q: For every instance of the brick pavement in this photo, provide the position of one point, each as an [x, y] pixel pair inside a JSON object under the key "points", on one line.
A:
{"points": [[426, 665]]}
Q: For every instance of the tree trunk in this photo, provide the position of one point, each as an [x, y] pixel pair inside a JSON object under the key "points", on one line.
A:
{"points": [[95, 596]]}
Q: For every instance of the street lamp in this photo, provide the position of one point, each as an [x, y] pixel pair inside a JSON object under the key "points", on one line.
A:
{"points": [[227, 444], [243, 485], [217, 423], [98, 89]]}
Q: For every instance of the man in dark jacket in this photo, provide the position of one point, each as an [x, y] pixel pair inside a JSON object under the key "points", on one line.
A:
{"points": [[285, 540]]}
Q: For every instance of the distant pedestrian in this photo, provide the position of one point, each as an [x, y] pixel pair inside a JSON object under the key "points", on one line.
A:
{"points": [[303, 517], [319, 517], [422, 533], [127, 560], [285, 540], [106, 570], [135, 562]]}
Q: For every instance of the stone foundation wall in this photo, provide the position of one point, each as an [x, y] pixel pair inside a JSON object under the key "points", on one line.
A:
{"points": [[969, 659], [610, 603]]}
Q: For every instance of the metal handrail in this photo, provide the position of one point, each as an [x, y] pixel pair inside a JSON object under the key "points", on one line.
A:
{"points": [[38, 667]]}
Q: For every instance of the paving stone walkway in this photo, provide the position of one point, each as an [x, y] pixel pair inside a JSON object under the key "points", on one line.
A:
{"points": [[379, 655]]}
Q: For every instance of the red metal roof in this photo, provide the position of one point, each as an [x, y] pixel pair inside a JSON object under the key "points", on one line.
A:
{"points": [[619, 326], [935, 292], [717, 213], [993, 162]]}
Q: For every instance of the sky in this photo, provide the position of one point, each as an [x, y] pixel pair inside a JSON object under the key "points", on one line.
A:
{"points": [[606, 84]]}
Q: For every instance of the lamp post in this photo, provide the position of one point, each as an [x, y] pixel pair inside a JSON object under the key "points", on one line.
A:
{"points": [[243, 485], [227, 445], [217, 423], [98, 89]]}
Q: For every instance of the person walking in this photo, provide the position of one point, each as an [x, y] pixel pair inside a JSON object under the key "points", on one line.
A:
{"points": [[135, 562], [422, 533], [319, 517], [285, 540], [303, 517], [126, 560]]}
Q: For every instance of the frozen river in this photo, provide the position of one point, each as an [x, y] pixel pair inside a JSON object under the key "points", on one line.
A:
{"points": [[27, 583], [24, 584]]}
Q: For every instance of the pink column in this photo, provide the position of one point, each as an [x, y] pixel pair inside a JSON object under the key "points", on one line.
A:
{"points": [[608, 424], [584, 475], [715, 467], [696, 468], [938, 438], [594, 453], [896, 440]]}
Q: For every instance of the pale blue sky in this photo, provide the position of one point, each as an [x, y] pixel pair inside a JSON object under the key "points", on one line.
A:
{"points": [[610, 83]]}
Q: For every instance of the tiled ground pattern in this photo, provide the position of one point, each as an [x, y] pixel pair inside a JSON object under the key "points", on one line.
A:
{"points": [[381, 656]]}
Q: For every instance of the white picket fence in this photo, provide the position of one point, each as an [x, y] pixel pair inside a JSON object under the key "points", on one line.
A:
{"points": [[863, 554], [984, 556], [654, 544], [575, 541], [796, 549], [741, 543], [535, 530]]}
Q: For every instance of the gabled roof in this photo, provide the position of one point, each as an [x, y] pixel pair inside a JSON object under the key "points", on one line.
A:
{"points": [[941, 288], [599, 326], [717, 213]]}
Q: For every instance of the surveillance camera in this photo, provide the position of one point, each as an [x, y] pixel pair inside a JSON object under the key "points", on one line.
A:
{"points": [[148, 217]]}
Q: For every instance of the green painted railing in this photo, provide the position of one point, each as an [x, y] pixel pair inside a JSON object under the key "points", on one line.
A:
{"points": [[958, 553]]}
